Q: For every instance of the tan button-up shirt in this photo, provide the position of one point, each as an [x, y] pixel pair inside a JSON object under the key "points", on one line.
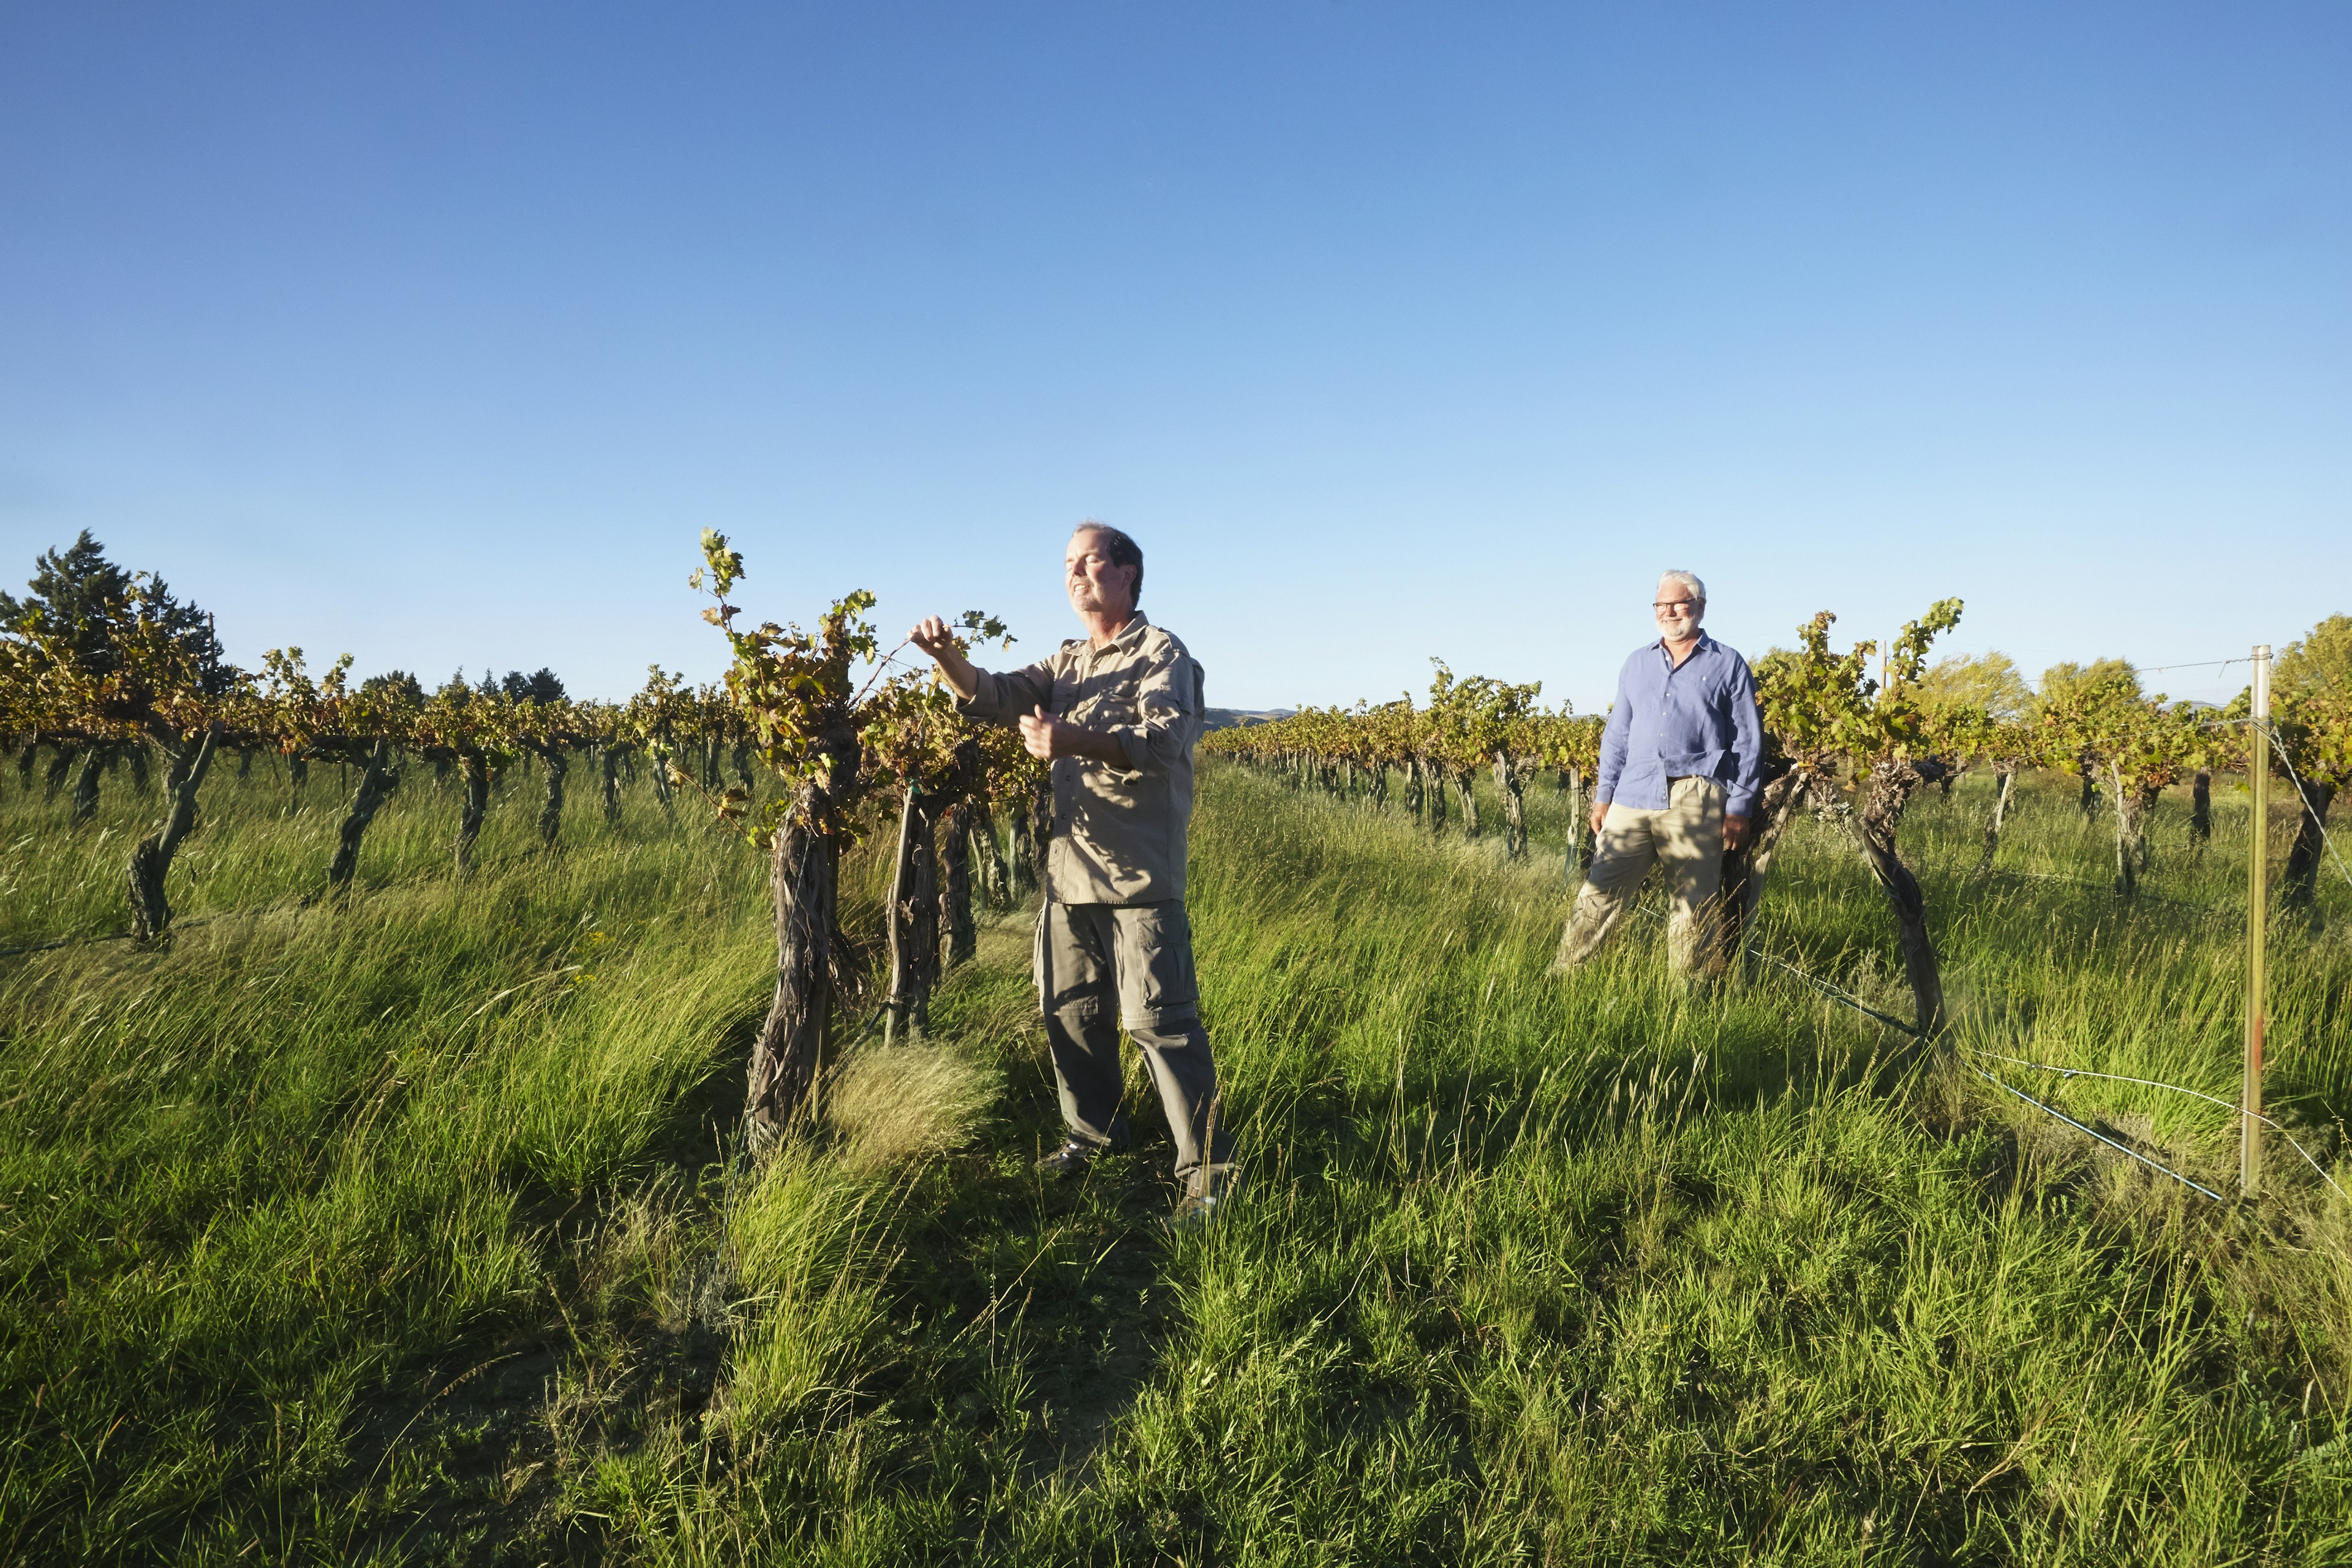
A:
{"points": [[1119, 833]]}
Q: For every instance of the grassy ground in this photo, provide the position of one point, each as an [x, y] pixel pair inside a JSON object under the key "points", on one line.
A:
{"points": [[408, 1230]]}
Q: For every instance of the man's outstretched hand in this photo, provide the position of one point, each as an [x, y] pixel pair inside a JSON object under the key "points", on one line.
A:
{"points": [[933, 635], [937, 638], [1735, 833]]}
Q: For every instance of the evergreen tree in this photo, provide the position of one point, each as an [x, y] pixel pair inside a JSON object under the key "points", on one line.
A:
{"points": [[539, 688], [80, 598]]}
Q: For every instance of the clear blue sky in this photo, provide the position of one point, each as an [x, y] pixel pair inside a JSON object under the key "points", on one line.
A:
{"points": [[436, 333]]}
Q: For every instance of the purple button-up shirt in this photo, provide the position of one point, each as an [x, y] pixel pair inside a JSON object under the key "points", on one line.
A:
{"points": [[1700, 720]]}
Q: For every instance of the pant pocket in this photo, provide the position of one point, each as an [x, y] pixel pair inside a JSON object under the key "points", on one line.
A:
{"points": [[1157, 984]]}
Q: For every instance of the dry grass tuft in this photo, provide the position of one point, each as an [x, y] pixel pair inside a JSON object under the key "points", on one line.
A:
{"points": [[896, 1103]]}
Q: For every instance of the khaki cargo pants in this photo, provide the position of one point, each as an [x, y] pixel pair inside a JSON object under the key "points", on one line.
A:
{"points": [[1685, 841], [1099, 965]]}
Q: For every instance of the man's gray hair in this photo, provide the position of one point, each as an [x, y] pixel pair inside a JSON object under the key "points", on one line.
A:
{"points": [[1691, 584], [1119, 549]]}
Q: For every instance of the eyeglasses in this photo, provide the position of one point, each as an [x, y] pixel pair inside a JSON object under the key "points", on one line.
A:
{"points": [[1673, 603]]}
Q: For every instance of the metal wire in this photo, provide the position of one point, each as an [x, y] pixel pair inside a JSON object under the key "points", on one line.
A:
{"points": [[2119, 1148], [2229, 1105], [2325, 837]]}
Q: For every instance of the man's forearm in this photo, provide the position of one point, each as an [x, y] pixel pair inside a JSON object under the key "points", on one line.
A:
{"points": [[961, 674]]}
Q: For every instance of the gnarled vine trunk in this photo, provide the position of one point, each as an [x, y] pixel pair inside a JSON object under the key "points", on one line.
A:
{"points": [[85, 790], [2004, 782], [476, 769], [1463, 780], [1434, 791], [151, 861], [378, 779], [2131, 832], [1413, 787], [1744, 869], [2301, 884], [805, 877], [1579, 826], [1878, 812], [609, 774], [2201, 808], [991, 884], [1514, 808], [954, 842], [914, 915], [551, 805]]}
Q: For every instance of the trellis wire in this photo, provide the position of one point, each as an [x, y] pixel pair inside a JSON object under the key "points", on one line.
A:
{"points": [[2231, 1106], [2119, 1148], [2325, 836], [1849, 999]]}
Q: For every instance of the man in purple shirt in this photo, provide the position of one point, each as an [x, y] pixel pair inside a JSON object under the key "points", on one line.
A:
{"points": [[1681, 761]]}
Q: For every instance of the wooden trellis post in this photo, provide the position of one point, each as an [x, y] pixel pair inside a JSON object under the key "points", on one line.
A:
{"points": [[2258, 774]]}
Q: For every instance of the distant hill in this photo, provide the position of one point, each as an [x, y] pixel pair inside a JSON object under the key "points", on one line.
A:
{"points": [[1227, 717]]}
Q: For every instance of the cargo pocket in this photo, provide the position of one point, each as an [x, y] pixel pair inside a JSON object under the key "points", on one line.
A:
{"points": [[1157, 989]]}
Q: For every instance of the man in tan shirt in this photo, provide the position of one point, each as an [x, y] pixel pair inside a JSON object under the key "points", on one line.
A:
{"points": [[1116, 713]]}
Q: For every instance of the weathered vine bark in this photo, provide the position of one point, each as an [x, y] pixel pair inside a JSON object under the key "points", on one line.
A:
{"points": [[661, 781], [1380, 786], [1412, 788], [2201, 808], [913, 920], [609, 772], [1885, 793], [1745, 869], [298, 773], [60, 763], [994, 877], [476, 768], [1514, 808], [2300, 885], [85, 790], [1434, 794], [2090, 802], [2131, 832], [150, 862], [804, 879], [551, 806], [1026, 863], [1579, 829], [2004, 782], [1462, 778], [953, 840], [378, 779]]}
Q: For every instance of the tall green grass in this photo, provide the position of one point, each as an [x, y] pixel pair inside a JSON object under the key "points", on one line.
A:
{"points": [[406, 1229]]}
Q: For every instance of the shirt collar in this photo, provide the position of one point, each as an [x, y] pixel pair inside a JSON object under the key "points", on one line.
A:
{"points": [[1706, 644], [1128, 636]]}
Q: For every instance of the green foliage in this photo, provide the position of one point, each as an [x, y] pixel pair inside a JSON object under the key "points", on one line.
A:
{"points": [[1828, 716], [2319, 663], [2067, 681], [1988, 682]]}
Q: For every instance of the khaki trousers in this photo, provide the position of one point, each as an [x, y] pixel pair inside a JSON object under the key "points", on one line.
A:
{"points": [[1685, 841], [1099, 965]]}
